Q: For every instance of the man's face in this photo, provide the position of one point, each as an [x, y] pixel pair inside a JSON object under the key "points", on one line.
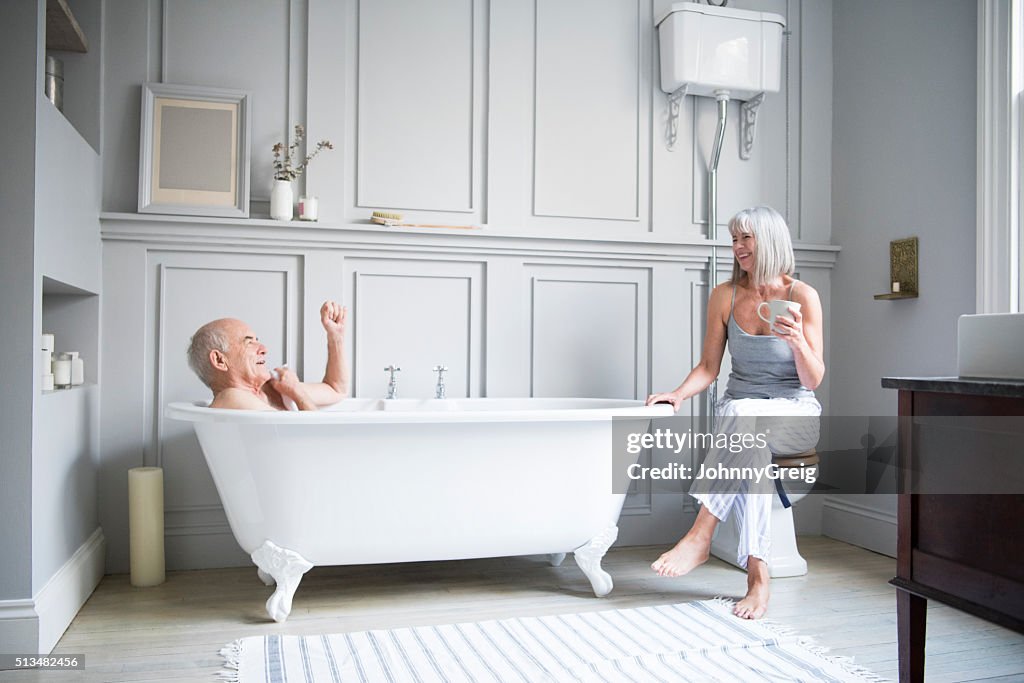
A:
{"points": [[247, 356]]}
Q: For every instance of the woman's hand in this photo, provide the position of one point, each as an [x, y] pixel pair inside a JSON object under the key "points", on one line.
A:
{"points": [[790, 331], [669, 397]]}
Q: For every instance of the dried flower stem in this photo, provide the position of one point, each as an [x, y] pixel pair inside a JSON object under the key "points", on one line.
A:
{"points": [[283, 167]]}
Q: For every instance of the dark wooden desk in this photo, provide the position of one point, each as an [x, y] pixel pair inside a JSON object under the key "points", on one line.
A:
{"points": [[963, 550]]}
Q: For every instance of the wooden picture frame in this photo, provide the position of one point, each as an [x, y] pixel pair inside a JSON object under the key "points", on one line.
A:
{"points": [[194, 151]]}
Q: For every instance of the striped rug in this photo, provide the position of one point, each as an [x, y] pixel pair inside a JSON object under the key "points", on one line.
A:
{"points": [[697, 641]]}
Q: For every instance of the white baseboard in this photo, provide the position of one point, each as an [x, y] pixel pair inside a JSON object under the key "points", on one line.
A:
{"points": [[859, 525], [19, 626], [57, 603]]}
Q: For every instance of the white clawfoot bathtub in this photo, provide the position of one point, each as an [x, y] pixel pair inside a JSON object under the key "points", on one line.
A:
{"points": [[371, 481]]}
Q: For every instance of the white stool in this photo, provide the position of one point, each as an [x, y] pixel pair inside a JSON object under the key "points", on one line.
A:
{"points": [[785, 557]]}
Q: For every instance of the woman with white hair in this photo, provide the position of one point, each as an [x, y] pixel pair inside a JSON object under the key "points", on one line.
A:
{"points": [[775, 369]]}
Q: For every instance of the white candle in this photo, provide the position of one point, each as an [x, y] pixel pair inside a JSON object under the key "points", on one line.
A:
{"points": [[308, 208], [62, 370], [146, 525], [895, 287]]}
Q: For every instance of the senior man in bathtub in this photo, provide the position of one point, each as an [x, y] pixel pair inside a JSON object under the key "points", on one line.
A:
{"points": [[230, 359]]}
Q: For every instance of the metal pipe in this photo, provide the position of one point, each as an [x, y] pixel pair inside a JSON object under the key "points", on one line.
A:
{"points": [[722, 99]]}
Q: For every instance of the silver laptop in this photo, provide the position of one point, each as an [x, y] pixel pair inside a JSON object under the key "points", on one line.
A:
{"points": [[990, 345]]}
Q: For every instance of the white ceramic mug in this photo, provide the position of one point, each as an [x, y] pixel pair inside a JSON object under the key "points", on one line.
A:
{"points": [[777, 308]]}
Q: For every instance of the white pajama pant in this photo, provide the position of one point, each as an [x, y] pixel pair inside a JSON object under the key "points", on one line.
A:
{"points": [[750, 503]]}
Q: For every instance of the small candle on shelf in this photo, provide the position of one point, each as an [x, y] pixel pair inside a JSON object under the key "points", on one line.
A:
{"points": [[307, 208], [895, 287], [62, 371]]}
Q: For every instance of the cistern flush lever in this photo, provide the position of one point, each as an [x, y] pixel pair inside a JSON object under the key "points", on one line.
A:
{"points": [[440, 370], [392, 381]]}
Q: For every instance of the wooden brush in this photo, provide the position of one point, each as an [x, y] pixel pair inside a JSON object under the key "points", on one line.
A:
{"points": [[394, 220]]}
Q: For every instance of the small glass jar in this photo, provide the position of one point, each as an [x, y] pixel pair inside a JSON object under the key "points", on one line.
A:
{"points": [[308, 208]]}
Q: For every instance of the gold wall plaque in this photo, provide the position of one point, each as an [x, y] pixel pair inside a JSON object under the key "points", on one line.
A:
{"points": [[903, 264]]}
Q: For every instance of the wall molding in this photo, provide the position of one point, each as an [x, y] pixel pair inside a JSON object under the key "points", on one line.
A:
{"points": [[59, 600], [640, 213], [859, 524], [637, 280], [999, 158], [364, 158], [197, 233], [35, 625]]}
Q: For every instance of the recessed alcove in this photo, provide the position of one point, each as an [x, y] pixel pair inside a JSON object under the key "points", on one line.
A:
{"points": [[72, 314]]}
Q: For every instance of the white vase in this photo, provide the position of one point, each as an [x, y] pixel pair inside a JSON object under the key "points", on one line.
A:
{"points": [[281, 200]]}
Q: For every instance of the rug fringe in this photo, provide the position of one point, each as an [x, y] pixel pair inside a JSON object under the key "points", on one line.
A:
{"points": [[810, 644], [232, 654], [843, 662]]}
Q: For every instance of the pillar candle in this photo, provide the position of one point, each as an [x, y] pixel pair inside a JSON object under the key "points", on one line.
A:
{"points": [[62, 370], [146, 525]]}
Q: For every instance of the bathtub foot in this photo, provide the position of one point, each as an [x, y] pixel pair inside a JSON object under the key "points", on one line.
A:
{"points": [[588, 557], [266, 578], [285, 567], [556, 559]]}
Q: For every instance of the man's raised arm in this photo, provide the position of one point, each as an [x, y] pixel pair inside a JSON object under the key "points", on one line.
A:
{"points": [[334, 386]]}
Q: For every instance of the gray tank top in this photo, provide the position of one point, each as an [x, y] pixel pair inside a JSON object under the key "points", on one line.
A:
{"points": [[762, 364]]}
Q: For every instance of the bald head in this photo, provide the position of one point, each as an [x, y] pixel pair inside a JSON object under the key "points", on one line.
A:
{"points": [[213, 336]]}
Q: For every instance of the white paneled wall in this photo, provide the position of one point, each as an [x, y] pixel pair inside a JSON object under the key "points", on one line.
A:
{"points": [[540, 121]]}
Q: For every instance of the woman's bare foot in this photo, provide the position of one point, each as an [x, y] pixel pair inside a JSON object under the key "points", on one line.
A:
{"points": [[755, 603], [690, 552]]}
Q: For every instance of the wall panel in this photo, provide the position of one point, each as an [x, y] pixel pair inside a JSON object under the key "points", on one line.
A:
{"points": [[416, 314], [587, 110], [584, 319], [417, 105]]}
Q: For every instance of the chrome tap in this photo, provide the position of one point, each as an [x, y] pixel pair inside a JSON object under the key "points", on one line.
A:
{"points": [[440, 370], [392, 381]]}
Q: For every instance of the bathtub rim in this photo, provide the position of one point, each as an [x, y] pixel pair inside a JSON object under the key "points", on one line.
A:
{"points": [[599, 410]]}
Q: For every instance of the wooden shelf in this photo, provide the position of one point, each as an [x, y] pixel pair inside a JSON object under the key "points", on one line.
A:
{"points": [[900, 295], [62, 29]]}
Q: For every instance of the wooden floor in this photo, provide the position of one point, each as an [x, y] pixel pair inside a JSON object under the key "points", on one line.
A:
{"points": [[173, 632]]}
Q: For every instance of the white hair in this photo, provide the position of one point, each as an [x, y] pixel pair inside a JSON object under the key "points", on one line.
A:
{"points": [[774, 256], [207, 338]]}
